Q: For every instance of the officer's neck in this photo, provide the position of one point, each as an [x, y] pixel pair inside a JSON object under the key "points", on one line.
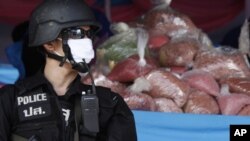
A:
{"points": [[59, 77]]}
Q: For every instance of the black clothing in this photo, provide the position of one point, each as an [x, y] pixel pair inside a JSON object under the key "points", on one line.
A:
{"points": [[31, 107]]}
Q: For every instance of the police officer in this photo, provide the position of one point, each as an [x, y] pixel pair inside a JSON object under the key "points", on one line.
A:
{"points": [[53, 105]]}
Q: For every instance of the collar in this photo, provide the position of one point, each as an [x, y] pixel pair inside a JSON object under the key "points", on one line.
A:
{"points": [[76, 87]]}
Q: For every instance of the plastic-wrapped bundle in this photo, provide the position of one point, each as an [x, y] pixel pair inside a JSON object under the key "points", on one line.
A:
{"points": [[164, 19], [245, 111], [232, 104], [238, 85], [129, 69], [202, 80], [166, 105], [139, 101], [179, 53], [222, 63], [200, 102], [165, 84]]}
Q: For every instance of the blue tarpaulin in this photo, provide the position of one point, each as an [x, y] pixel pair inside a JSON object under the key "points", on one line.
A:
{"points": [[156, 126], [8, 74]]}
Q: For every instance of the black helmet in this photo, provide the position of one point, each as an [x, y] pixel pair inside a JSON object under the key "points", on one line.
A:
{"points": [[50, 17]]}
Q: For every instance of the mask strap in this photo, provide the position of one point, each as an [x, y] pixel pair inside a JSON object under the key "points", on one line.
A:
{"points": [[66, 49], [55, 56]]}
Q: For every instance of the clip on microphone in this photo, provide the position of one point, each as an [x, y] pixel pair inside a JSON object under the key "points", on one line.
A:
{"points": [[90, 107]]}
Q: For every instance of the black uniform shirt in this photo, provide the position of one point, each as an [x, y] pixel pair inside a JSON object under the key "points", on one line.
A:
{"points": [[31, 107]]}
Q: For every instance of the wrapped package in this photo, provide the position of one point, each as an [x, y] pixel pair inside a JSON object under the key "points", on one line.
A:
{"points": [[178, 53], [139, 101], [200, 102], [222, 62], [163, 19], [165, 84], [136, 96], [202, 80], [129, 69], [245, 111], [166, 105], [231, 103]]}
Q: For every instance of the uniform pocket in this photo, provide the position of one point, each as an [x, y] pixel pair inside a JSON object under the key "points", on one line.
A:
{"points": [[45, 131]]}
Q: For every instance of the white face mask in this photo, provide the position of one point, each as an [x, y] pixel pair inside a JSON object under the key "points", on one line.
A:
{"points": [[81, 49]]}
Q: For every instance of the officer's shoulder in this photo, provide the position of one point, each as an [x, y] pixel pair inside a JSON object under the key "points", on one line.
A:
{"points": [[7, 91], [27, 83], [7, 88], [107, 97]]}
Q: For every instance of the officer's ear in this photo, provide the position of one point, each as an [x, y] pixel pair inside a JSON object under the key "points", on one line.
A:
{"points": [[50, 46]]}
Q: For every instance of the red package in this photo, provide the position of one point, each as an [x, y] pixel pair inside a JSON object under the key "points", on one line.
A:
{"points": [[129, 69], [200, 102], [157, 41]]}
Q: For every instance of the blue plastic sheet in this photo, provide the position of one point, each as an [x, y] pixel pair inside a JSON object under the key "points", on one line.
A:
{"points": [[155, 126], [8, 74]]}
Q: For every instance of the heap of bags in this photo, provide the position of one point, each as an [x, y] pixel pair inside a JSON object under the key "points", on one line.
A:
{"points": [[162, 62]]}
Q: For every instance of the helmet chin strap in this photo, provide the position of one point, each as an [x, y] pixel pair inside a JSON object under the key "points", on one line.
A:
{"points": [[80, 67]]}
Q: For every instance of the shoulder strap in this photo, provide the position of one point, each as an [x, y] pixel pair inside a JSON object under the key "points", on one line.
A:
{"points": [[77, 111]]}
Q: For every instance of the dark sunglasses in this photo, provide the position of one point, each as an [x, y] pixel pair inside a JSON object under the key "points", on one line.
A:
{"points": [[78, 33]]}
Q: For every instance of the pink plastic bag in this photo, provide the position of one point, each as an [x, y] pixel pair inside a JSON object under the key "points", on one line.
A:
{"points": [[200, 102], [166, 105], [165, 84], [222, 63], [139, 101], [202, 80]]}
